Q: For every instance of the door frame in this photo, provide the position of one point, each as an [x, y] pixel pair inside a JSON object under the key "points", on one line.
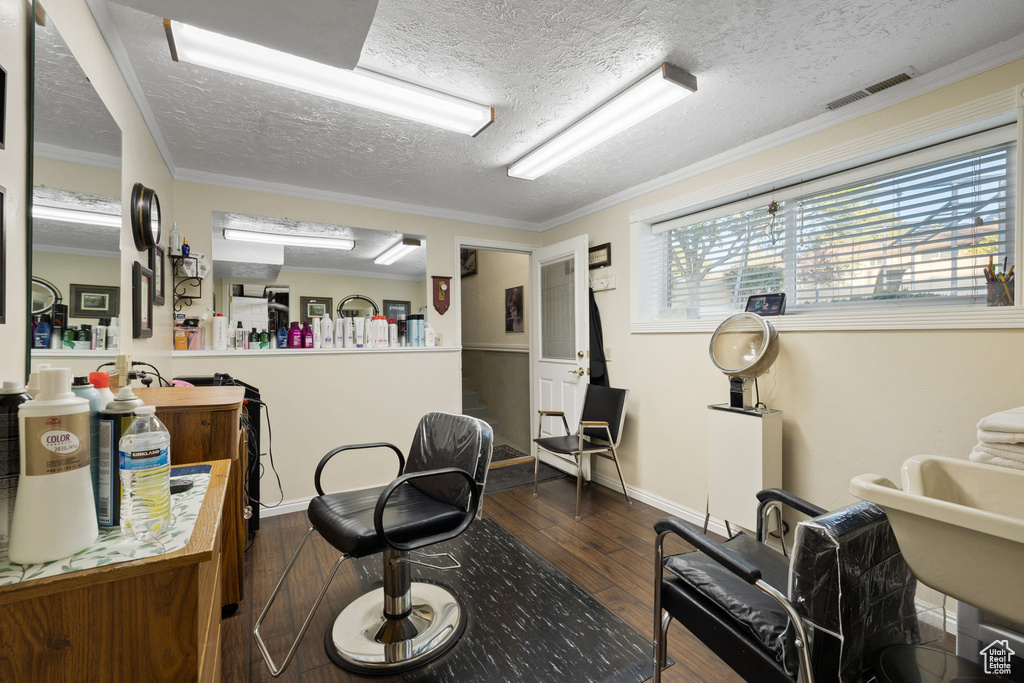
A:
{"points": [[493, 245]]}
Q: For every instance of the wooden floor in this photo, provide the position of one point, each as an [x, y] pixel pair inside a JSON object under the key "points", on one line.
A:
{"points": [[610, 554]]}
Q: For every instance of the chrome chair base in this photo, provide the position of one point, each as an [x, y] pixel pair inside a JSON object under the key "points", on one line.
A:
{"points": [[364, 641]]}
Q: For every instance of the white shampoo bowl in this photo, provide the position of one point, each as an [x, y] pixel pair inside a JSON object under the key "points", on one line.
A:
{"points": [[960, 525]]}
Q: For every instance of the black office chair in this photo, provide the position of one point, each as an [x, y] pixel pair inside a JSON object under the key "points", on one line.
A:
{"points": [[598, 433], [405, 624], [843, 596]]}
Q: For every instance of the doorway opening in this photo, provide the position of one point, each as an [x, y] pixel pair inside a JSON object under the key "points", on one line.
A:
{"points": [[495, 339]]}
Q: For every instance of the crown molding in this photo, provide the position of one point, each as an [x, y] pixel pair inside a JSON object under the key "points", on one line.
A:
{"points": [[105, 22], [76, 156], [971, 65], [237, 182], [75, 251]]}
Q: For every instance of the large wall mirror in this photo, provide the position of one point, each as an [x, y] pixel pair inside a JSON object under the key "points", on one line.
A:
{"points": [[76, 207], [270, 272]]}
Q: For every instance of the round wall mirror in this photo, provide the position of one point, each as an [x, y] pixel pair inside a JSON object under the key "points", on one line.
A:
{"points": [[145, 217], [357, 305], [44, 295]]}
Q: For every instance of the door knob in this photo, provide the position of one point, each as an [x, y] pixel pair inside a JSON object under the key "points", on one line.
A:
{"points": [[578, 372]]}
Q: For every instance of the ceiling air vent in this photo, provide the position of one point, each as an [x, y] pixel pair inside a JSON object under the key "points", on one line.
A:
{"points": [[904, 75]]}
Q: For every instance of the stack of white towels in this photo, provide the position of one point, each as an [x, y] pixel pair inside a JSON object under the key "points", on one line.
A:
{"points": [[1001, 439]]}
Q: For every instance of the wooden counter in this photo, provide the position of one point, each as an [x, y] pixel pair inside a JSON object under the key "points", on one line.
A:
{"points": [[205, 424], [154, 619]]}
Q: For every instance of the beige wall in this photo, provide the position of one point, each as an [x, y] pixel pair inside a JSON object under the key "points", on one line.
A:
{"points": [[15, 24], [483, 299], [65, 269], [854, 402], [64, 175], [337, 287], [502, 378], [321, 401]]}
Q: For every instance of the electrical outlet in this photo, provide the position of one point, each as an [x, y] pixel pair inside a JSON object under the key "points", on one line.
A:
{"points": [[607, 353], [123, 365]]}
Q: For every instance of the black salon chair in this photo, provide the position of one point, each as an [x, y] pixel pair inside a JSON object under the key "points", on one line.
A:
{"points": [[404, 624], [598, 433], [824, 613]]}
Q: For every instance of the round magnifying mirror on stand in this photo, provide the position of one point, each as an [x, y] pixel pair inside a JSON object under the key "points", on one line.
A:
{"points": [[357, 305], [44, 296], [145, 217]]}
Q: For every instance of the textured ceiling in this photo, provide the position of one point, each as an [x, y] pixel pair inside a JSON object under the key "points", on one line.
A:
{"points": [[359, 260], [329, 31], [68, 112], [760, 66], [49, 234]]}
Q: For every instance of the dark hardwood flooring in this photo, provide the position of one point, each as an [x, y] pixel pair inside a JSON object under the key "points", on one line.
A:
{"points": [[609, 553]]}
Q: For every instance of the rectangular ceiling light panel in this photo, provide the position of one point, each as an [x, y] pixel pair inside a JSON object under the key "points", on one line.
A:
{"points": [[290, 240], [397, 251], [75, 216], [357, 87], [647, 97]]}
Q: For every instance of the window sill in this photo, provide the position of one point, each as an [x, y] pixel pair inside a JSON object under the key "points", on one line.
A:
{"points": [[932, 318]]}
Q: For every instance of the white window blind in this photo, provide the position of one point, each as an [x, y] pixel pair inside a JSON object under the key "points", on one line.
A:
{"points": [[887, 236]]}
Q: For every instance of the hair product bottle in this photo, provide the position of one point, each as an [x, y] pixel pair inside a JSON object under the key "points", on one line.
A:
{"points": [[114, 419], [307, 336], [326, 332], [314, 325], [282, 337], [82, 388], [295, 336], [54, 515]]}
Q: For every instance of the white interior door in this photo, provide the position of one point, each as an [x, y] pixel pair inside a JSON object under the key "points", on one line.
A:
{"points": [[560, 348]]}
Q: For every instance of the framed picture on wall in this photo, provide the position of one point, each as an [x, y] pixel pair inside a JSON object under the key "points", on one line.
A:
{"points": [[514, 309], [467, 257], [95, 301], [600, 256], [142, 301], [315, 307], [156, 264], [393, 309]]}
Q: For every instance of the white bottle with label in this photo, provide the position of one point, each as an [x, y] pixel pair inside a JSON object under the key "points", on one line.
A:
{"points": [[314, 322], [114, 335], [174, 241], [220, 333], [339, 332], [326, 332], [55, 514]]}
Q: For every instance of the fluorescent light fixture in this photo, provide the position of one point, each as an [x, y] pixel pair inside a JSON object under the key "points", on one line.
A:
{"points": [[54, 213], [647, 97], [397, 251], [290, 240], [358, 87]]}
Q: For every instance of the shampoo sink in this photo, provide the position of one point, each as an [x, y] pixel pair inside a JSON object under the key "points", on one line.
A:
{"points": [[960, 525]]}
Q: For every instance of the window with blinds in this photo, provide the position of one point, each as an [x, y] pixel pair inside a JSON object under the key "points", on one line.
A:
{"points": [[917, 235]]}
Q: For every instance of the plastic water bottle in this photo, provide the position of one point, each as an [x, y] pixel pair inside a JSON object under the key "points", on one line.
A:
{"points": [[145, 464]]}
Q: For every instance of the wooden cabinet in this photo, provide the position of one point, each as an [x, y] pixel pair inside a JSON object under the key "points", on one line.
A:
{"points": [[205, 424], [154, 619]]}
